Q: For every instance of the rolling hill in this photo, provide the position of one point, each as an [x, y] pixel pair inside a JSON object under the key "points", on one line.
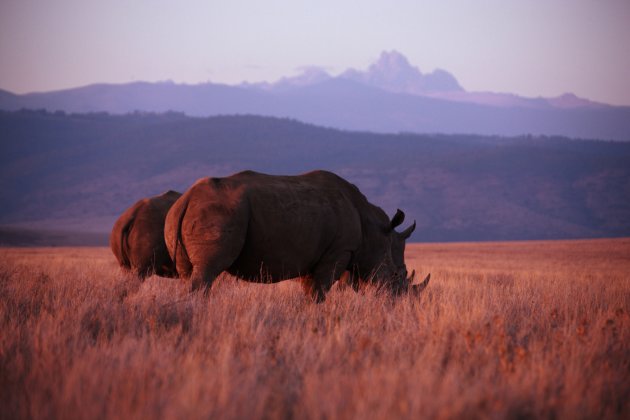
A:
{"points": [[77, 172]]}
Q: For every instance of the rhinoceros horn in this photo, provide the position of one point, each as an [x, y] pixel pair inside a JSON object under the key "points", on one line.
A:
{"points": [[417, 288], [398, 218], [407, 232]]}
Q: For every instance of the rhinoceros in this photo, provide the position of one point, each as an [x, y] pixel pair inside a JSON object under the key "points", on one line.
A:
{"points": [[137, 238], [266, 228]]}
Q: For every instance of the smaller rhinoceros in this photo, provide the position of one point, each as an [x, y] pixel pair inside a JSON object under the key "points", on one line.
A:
{"points": [[137, 238]]}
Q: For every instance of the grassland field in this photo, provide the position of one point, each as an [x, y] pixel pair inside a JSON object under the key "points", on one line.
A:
{"points": [[504, 330]]}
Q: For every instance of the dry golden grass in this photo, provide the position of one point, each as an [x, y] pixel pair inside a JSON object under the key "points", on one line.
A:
{"points": [[532, 329]]}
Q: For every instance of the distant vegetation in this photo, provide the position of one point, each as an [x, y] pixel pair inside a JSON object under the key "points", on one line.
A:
{"points": [[77, 172], [11, 236], [521, 330]]}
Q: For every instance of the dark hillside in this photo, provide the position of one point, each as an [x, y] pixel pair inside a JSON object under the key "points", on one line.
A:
{"points": [[77, 172]]}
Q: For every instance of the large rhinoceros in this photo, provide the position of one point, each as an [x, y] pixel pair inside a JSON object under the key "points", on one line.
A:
{"points": [[266, 228], [137, 238]]}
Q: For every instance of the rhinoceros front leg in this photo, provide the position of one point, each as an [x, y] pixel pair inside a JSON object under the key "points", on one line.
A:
{"points": [[329, 269]]}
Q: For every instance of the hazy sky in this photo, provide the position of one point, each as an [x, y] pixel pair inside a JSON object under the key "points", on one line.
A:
{"points": [[529, 47]]}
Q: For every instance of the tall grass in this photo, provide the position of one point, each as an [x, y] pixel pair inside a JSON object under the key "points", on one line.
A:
{"points": [[503, 330]]}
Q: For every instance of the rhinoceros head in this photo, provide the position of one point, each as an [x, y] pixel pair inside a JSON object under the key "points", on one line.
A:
{"points": [[383, 257]]}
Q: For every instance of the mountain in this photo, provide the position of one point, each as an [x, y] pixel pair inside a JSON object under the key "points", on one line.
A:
{"points": [[338, 103], [8, 99], [390, 96], [393, 73], [309, 76], [77, 172]]}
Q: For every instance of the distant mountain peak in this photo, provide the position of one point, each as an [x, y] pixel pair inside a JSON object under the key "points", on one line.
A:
{"points": [[393, 72], [393, 63], [309, 75], [570, 100], [393, 68]]}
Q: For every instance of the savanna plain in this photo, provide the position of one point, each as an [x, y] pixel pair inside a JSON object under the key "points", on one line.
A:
{"points": [[504, 330]]}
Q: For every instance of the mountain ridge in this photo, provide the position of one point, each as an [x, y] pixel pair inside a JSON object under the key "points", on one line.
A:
{"points": [[387, 105], [393, 72]]}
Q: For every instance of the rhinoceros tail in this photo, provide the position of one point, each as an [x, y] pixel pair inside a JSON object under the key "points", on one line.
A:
{"points": [[178, 235], [124, 243]]}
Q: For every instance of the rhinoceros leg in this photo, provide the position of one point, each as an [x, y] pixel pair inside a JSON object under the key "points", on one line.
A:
{"points": [[214, 238], [212, 260], [209, 258], [327, 271], [203, 277]]}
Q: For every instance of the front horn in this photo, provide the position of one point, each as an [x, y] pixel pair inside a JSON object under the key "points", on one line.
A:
{"points": [[417, 288], [407, 232]]}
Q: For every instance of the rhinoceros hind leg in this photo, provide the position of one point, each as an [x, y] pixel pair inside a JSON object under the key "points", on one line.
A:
{"points": [[203, 278]]}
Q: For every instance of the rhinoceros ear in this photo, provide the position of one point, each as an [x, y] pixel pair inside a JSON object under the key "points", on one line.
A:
{"points": [[407, 232], [398, 218]]}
